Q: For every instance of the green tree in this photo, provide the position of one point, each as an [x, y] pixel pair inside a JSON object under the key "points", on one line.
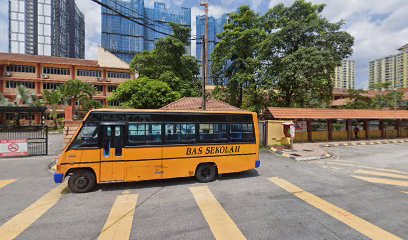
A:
{"points": [[23, 96], [144, 93], [53, 98], [169, 63], [357, 101], [300, 52], [235, 57], [76, 90], [5, 101]]}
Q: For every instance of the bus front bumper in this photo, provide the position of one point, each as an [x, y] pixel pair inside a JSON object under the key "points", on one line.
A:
{"points": [[257, 164], [58, 177]]}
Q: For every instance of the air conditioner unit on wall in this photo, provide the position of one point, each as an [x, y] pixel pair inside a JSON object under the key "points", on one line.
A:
{"points": [[99, 79], [44, 76], [108, 80], [8, 74]]}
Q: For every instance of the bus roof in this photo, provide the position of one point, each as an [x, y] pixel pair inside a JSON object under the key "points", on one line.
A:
{"points": [[120, 110]]}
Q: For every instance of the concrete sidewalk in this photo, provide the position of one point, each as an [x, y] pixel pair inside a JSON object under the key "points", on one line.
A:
{"points": [[313, 151]]}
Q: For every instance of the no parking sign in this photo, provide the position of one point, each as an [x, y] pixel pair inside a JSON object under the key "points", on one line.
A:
{"points": [[12, 148]]}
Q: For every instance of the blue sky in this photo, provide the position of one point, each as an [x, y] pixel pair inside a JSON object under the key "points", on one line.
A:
{"points": [[378, 26]]}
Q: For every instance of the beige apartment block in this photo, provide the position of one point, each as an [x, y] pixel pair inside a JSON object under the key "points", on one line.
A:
{"points": [[345, 75], [392, 69]]}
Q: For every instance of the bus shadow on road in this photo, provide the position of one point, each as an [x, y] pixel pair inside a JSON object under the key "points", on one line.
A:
{"points": [[171, 182]]}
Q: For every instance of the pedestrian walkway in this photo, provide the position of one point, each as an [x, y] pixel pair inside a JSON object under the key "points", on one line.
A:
{"points": [[313, 151]]}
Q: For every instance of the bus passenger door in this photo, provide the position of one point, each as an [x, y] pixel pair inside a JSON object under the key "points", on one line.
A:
{"points": [[112, 155]]}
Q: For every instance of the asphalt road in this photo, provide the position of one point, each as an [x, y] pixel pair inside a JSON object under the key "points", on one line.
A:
{"points": [[368, 182]]}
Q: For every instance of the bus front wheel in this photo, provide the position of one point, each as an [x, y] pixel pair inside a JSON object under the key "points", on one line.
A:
{"points": [[206, 172], [81, 181]]}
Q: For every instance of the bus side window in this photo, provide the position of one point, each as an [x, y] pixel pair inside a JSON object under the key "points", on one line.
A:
{"points": [[177, 132], [247, 131], [236, 132]]}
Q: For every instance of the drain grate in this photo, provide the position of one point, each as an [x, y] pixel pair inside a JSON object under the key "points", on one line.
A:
{"points": [[294, 154]]}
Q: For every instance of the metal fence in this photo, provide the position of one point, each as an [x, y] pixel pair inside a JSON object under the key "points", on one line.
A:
{"points": [[37, 137]]}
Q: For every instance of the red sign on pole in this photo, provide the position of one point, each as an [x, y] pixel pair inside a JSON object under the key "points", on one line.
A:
{"points": [[13, 148]]}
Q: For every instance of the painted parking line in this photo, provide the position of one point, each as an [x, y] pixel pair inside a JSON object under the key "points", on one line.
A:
{"points": [[220, 223], [333, 162], [364, 227], [120, 219], [381, 174], [399, 183], [21, 221], [4, 183]]}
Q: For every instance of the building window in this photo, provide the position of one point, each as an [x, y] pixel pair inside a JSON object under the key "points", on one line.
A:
{"points": [[89, 73], [20, 68], [56, 71], [114, 104], [111, 88], [119, 75], [51, 85], [13, 84], [99, 88]]}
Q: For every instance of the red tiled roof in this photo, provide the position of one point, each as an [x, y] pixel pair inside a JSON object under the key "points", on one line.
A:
{"points": [[195, 103], [340, 102], [327, 113], [14, 57]]}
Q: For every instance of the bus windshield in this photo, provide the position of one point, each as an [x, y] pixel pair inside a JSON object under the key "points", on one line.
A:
{"points": [[87, 137]]}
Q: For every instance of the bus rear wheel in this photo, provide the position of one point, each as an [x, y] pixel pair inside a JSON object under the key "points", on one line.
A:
{"points": [[81, 181], [206, 173]]}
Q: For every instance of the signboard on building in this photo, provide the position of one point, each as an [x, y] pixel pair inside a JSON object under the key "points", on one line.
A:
{"points": [[13, 148]]}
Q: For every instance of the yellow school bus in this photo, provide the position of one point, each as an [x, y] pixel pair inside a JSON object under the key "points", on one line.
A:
{"points": [[135, 145]]}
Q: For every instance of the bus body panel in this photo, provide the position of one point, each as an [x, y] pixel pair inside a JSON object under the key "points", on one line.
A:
{"points": [[137, 163]]}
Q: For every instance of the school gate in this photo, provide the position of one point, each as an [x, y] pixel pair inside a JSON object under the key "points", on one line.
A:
{"points": [[37, 137]]}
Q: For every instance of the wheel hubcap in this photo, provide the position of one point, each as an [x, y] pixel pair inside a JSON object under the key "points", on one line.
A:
{"points": [[206, 172], [81, 182]]}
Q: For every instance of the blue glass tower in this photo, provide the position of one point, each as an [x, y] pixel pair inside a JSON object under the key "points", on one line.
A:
{"points": [[215, 26], [125, 38]]}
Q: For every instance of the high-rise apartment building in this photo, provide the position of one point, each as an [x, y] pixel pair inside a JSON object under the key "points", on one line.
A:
{"points": [[125, 38], [345, 75], [215, 26], [392, 69], [45, 27]]}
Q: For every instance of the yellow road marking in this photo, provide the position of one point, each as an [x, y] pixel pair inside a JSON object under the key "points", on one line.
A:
{"points": [[119, 223], [383, 181], [360, 166], [4, 183], [220, 223], [368, 229], [381, 174], [20, 222], [406, 192]]}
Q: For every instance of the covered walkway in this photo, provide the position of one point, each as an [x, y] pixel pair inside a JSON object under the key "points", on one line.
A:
{"points": [[314, 124]]}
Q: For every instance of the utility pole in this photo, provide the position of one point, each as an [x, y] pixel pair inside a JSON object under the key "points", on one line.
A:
{"points": [[205, 52], [203, 57]]}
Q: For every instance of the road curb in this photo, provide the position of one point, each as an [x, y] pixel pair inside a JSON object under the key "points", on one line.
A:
{"points": [[374, 142], [287, 155]]}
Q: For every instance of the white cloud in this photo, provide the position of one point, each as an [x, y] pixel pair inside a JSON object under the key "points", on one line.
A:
{"points": [[92, 12]]}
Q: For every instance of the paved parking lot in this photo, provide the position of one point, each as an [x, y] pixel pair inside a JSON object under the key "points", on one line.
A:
{"points": [[360, 193]]}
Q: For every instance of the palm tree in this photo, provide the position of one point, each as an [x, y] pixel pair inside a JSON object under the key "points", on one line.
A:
{"points": [[53, 98], [75, 90], [23, 96], [5, 101]]}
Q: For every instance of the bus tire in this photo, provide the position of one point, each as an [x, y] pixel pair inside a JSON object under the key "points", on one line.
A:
{"points": [[206, 173], [81, 181]]}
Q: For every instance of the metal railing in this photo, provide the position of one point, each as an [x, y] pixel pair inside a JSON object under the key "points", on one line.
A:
{"points": [[37, 137]]}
